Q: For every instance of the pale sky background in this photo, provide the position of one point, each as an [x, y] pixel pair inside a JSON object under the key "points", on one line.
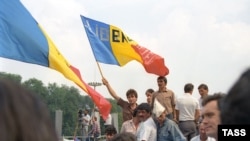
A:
{"points": [[202, 41]]}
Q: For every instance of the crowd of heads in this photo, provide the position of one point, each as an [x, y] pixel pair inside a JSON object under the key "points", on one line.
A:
{"points": [[19, 105]]}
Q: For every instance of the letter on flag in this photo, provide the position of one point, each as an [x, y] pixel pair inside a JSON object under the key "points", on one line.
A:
{"points": [[22, 39], [111, 46]]}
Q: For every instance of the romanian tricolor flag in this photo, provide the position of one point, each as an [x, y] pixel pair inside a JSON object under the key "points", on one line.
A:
{"points": [[23, 39], [111, 46]]}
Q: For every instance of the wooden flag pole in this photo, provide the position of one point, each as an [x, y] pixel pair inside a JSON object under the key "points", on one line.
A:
{"points": [[100, 69]]}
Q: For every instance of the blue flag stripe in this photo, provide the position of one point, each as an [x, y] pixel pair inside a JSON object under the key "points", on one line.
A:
{"points": [[101, 48], [20, 36]]}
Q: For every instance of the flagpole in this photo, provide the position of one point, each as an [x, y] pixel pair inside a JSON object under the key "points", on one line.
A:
{"points": [[99, 69]]}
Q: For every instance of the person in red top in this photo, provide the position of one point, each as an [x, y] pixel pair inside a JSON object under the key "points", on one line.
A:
{"points": [[129, 106]]}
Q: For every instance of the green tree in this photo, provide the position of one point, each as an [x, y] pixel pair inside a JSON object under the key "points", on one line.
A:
{"points": [[65, 98], [13, 77], [68, 100], [37, 87]]}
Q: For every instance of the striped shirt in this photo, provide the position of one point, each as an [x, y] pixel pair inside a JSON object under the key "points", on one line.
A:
{"points": [[95, 128]]}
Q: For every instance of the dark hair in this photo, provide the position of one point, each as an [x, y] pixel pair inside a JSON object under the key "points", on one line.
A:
{"points": [[236, 106], [80, 111], [23, 116], [188, 87], [131, 92], [149, 91], [162, 78], [124, 136], [216, 96], [110, 130], [203, 86], [87, 110], [144, 106], [135, 112]]}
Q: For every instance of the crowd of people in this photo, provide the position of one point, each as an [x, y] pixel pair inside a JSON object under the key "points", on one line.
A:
{"points": [[185, 118], [162, 117]]}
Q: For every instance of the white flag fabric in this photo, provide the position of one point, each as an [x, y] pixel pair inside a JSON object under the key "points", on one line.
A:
{"points": [[158, 108]]}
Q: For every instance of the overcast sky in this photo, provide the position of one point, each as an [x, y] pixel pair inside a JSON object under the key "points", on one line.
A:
{"points": [[202, 41]]}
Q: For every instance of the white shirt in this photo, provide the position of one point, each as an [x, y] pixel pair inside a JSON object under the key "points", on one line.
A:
{"points": [[197, 138], [108, 120], [187, 104], [200, 102], [147, 130], [87, 118]]}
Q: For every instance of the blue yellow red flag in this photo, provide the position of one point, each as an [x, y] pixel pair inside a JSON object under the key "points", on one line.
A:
{"points": [[23, 39], [110, 45]]}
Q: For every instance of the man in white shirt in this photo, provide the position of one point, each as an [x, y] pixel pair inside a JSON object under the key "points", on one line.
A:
{"points": [[188, 112], [147, 128], [85, 123], [203, 91], [108, 121], [202, 134]]}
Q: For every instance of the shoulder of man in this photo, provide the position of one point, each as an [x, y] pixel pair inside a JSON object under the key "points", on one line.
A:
{"points": [[170, 91], [122, 102]]}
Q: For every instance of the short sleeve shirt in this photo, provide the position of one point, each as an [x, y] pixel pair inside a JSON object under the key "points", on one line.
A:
{"points": [[86, 117], [128, 126], [127, 112], [166, 98], [187, 105], [147, 130], [108, 120]]}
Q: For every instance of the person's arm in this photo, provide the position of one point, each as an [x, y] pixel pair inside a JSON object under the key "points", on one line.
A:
{"points": [[174, 113], [153, 100], [197, 112], [177, 134], [110, 89], [177, 112], [85, 119], [173, 106], [197, 115]]}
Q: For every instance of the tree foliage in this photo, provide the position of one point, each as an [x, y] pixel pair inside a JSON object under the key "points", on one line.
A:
{"points": [[65, 98], [14, 77]]}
